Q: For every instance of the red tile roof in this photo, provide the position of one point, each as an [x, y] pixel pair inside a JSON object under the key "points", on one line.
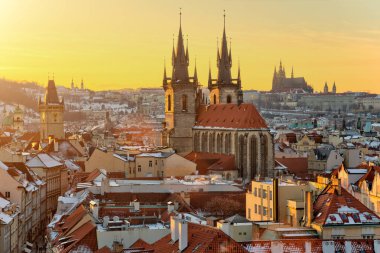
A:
{"points": [[296, 165], [244, 116], [200, 239], [211, 162], [332, 208]]}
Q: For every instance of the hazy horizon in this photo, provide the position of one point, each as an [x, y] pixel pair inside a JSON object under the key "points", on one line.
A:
{"points": [[122, 44]]}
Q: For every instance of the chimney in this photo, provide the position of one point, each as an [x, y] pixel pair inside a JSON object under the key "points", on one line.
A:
{"points": [[55, 145], [106, 219], [50, 139], [174, 228], [183, 235], [94, 206], [170, 207], [136, 206], [308, 208], [275, 200], [339, 188]]}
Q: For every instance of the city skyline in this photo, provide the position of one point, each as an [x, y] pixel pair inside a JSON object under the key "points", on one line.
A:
{"points": [[127, 46]]}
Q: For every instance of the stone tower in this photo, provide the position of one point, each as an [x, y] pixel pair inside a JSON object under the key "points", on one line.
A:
{"points": [[326, 88], [334, 88], [51, 114], [18, 119], [225, 89], [181, 96]]}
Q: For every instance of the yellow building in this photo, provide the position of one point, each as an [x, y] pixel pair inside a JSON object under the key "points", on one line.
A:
{"points": [[274, 200]]}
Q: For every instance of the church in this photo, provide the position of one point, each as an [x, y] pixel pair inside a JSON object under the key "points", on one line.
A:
{"points": [[281, 83], [219, 124]]}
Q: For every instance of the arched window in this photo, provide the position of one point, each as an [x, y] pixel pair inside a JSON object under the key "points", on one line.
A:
{"points": [[169, 103], [184, 103], [214, 99], [229, 99]]}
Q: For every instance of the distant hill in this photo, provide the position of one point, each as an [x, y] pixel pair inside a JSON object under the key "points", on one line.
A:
{"points": [[12, 92]]}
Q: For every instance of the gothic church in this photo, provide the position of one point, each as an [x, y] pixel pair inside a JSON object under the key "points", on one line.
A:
{"points": [[221, 124]]}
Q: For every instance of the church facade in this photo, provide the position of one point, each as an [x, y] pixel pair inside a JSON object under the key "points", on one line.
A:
{"points": [[221, 124]]}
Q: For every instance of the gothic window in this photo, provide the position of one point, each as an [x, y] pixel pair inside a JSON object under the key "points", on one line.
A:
{"points": [[214, 99], [253, 158], [169, 103], [184, 103], [229, 99]]}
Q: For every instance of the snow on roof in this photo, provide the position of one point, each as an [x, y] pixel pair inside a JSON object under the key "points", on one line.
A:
{"points": [[357, 171], [43, 160], [3, 166], [156, 155], [4, 202], [5, 218]]}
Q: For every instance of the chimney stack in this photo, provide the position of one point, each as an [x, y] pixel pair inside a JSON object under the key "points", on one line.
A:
{"points": [[183, 235], [308, 209], [174, 228], [170, 207], [275, 200]]}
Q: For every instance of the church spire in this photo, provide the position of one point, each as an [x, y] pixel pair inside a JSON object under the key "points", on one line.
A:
{"points": [[165, 79], [292, 72], [224, 61], [180, 63], [195, 78], [209, 76]]}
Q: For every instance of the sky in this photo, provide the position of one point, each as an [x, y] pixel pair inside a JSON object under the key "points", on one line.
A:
{"points": [[118, 44]]}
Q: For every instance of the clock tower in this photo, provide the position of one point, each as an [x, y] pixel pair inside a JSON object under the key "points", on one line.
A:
{"points": [[51, 114]]}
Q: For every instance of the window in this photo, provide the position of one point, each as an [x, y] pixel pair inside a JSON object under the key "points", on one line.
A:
{"points": [[337, 237], [260, 192], [249, 213], [155, 162], [229, 99], [184, 103], [270, 212], [270, 195], [259, 209], [264, 194], [244, 233], [169, 103], [265, 211], [255, 192], [7, 194], [255, 208], [368, 236], [150, 163], [214, 99], [139, 168]]}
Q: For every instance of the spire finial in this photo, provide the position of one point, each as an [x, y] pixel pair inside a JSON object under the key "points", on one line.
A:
{"points": [[224, 17], [180, 16]]}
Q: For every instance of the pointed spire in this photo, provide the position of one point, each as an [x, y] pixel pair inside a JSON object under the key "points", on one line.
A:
{"points": [[209, 75], [292, 72], [224, 61], [195, 72], [165, 79], [187, 49], [230, 55], [180, 60], [173, 53], [239, 78]]}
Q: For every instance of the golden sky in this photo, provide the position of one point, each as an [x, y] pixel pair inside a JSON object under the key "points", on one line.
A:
{"points": [[115, 44]]}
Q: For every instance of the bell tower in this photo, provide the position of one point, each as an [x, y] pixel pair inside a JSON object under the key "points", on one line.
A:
{"points": [[180, 99], [51, 114]]}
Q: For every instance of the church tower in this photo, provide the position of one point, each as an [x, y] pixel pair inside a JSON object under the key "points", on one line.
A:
{"points": [[51, 114], [334, 88], [326, 88], [181, 99], [224, 89]]}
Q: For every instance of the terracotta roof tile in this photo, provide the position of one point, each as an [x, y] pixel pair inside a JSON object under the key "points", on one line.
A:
{"points": [[244, 116], [211, 162]]}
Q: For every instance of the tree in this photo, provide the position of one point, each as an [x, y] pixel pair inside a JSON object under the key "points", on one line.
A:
{"points": [[223, 206]]}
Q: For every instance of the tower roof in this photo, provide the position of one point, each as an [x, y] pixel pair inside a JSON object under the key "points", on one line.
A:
{"points": [[180, 58], [224, 59], [51, 95]]}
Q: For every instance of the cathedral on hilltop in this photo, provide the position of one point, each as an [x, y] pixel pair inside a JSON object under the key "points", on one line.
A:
{"points": [[221, 124], [281, 83], [51, 114]]}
